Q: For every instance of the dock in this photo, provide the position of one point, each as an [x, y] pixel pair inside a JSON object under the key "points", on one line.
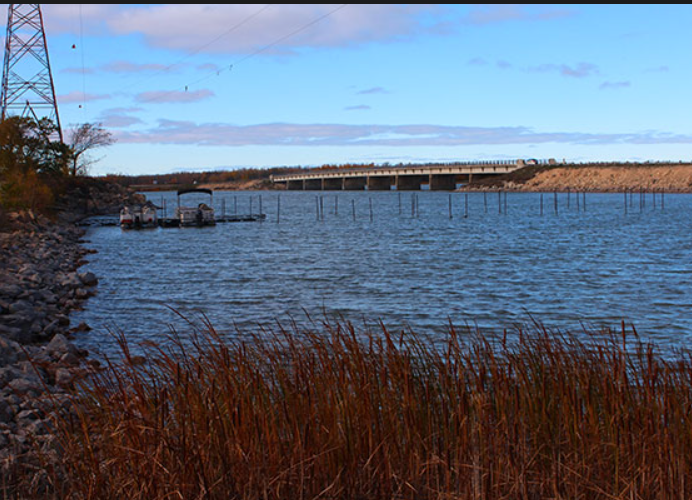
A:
{"points": [[113, 220]]}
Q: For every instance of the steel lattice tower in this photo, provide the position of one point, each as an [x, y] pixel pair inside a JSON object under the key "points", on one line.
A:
{"points": [[27, 81]]}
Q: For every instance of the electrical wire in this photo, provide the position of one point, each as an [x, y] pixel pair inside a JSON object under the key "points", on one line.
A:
{"points": [[245, 58], [200, 48]]}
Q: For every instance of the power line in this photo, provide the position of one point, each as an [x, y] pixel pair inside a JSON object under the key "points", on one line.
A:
{"points": [[248, 56], [201, 47]]}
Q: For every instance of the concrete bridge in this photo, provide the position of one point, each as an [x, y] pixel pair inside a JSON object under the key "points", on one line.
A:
{"points": [[403, 178]]}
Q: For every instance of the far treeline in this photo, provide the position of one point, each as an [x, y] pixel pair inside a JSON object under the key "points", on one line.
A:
{"points": [[233, 177], [228, 177]]}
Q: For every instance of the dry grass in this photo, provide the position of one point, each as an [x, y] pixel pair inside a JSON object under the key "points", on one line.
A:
{"points": [[336, 413]]}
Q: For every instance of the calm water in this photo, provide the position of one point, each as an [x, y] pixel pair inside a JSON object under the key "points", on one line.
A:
{"points": [[594, 267]]}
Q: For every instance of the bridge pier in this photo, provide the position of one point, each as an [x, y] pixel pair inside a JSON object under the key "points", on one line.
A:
{"points": [[312, 184], [354, 183], [377, 183], [332, 184], [408, 182], [443, 182]]}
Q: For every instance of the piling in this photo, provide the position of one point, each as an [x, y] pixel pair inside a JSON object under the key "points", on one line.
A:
{"points": [[278, 208], [541, 211], [568, 197], [555, 201], [450, 206], [584, 200], [370, 201], [466, 205], [353, 209]]}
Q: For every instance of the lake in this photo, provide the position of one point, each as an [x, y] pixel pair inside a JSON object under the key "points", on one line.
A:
{"points": [[399, 258]]}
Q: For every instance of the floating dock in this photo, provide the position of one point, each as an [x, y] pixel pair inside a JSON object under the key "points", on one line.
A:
{"points": [[106, 221], [169, 222]]}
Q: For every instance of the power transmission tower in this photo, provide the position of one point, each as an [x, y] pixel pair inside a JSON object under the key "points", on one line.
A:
{"points": [[27, 81]]}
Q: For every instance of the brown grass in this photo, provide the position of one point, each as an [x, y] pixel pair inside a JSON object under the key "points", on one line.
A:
{"points": [[337, 413]]}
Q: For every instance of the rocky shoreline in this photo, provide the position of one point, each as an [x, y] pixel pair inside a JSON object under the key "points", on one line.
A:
{"points": [[40, 284]]}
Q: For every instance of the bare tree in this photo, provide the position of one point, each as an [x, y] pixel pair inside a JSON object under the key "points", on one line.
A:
{"points": [[84, 138]]}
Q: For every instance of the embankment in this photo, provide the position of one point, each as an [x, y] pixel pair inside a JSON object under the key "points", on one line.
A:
{"points": [[40, 284], [610, 177]]}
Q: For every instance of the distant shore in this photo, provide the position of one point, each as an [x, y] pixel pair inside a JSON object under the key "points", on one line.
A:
{"points": [[616, 177], [590, 177]]}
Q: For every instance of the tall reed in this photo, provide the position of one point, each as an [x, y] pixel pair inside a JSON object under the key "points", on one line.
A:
{"points": [[336, 412]]}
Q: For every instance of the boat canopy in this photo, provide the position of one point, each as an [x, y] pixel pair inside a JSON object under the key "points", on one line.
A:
{"points": [[195, 190]]}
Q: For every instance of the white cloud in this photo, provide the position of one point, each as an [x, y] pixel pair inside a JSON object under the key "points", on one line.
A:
{"points": [[173, 96], [493, 14], [235, 28], [80, 97], [289, 134]]}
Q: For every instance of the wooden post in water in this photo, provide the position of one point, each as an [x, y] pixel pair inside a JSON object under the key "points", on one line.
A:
{"points": [[663, 203], [505, 202], [278, 208], [466, 205], [625, 193], [641, 199], [235, 205], [317, 208], [250, 205], [499, 202], [577, 201], [584, 200], [322, 207], [555, 201], [485, 202], [336, 204], [568, 193], [450, 206], [353, 209], [399, 202], [370, 201], [541, 211]]}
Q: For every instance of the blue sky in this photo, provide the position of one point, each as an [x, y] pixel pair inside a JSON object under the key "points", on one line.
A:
{"points": [[202, 87]]}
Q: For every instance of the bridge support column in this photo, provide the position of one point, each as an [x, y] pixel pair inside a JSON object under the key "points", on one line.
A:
{"points": [[312, 184], [354, 183], [408, 182], [439, 182], [332, 184], [379, 183]]}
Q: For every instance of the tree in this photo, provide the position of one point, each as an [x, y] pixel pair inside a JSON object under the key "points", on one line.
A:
{"points": [[83, 139], [29, 163]]}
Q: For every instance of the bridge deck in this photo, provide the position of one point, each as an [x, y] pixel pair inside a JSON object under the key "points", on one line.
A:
{"points": [[403, 176]]}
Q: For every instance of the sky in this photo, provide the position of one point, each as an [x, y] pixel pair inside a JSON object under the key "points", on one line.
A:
{"points": [[185, 87]]}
